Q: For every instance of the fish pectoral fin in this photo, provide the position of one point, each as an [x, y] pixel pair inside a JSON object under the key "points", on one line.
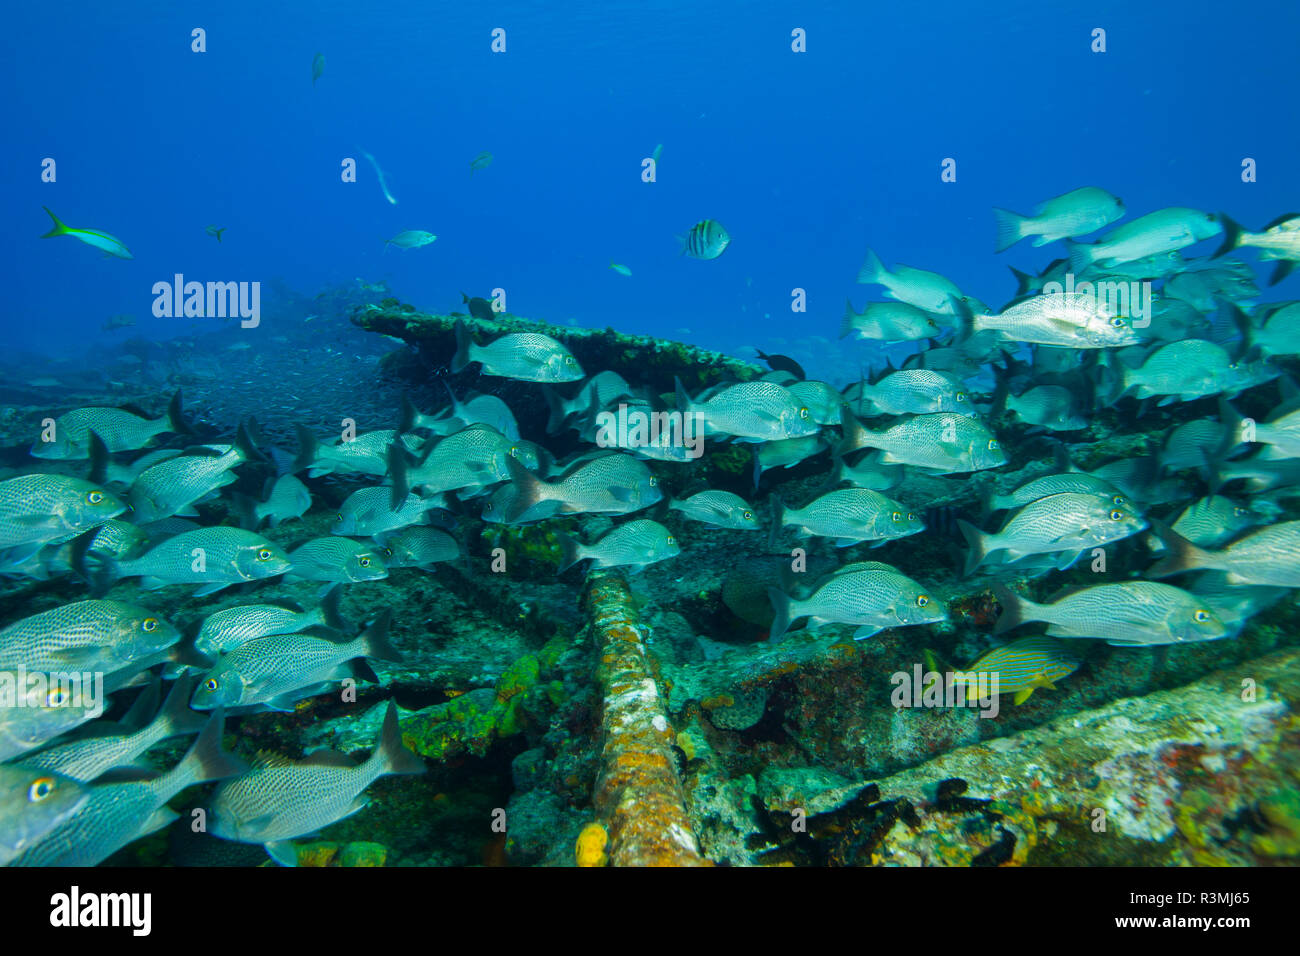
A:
{"points": [[866, 631], [283, 852], [206, 589]]}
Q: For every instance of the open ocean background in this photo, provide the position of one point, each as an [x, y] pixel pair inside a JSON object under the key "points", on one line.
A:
{"points": [[807, 159]]}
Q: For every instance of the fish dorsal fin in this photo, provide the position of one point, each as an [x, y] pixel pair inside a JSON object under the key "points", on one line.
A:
{"points": [[328, 758], [1286, 216], [266, 760]]}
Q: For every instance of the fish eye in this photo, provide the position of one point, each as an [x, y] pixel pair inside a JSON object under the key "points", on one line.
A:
{"points": [[1239, 512], [930, 323], [364, 562], [961, 396], [993, 444], [1201, 616], [922, 600], [264, 554], [386, 552], [1118, 500], [1117, 322], [150, 624], [653, 481], [41, 788], [568, 360], [1116, 515], [911, 516], [95, 497], [211, 685], [803, 413], [672, 540], [56, 698], [339, 517], [748, 515], [897, 516]]}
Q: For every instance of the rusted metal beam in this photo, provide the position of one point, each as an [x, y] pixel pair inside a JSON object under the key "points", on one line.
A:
{"points": [[638, 793]]}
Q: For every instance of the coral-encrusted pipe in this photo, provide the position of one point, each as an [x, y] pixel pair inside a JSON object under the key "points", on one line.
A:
{"points": [[638, 793]]}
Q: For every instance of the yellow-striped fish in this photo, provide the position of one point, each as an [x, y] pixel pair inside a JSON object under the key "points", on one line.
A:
{"points": [[706, 240], [1022, 667], [620, 269], [91, 237]]}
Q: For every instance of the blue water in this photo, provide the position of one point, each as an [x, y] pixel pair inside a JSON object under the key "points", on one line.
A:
{"points": [[806, 158]]}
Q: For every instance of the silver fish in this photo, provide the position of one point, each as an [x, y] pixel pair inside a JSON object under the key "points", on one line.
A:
{"points": [[33, 802], [888, 322], [336, 559], [1129, 613], [280, 669], [279, 799], [88, 759], [913, 391], [102, 636], [943, 442], [925, 290], [750, 411], [526, 356], [117, 814], [872, 595], [1166, 230], [119, 430], [226, 630], [417, 547], [1269, 556], [1067, 522], [850, 515], [36, 510], [722, 509], [634, 544], [286, 499], [611, 484], [214, 557], [368, 511], [1075, 213]]}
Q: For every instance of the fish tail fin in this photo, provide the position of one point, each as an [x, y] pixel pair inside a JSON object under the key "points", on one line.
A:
{"points": [[391, 755], [855, 433], [329, 613], [308, 449], [1181, 555], [988, 501], [556, 412], [99, 459], [1010, 227], [978, 542], [408, 417], [59, 228], [846, 321], [530, 489], [99, 577], [1231, 235], [223, 228], [781, 603], [245, 510], [684, 402], [1281, 271], [570, 551], [176, 716], [374, 641], [1081, 256], [464, 347], [872, 270], [1024, 281], [246, 444], [965, 319], [1016, 610], [205, 760], [175, 416], [399, 464]]}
